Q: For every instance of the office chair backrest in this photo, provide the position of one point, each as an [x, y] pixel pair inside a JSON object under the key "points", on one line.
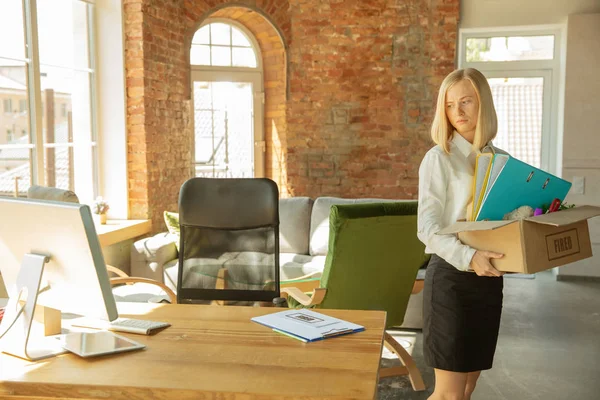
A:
{"points": [[373, 258], [229, 241], [51, 193]]}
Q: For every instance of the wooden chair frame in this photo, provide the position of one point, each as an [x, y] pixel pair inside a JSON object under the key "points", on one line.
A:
{"points": [[123, 278], [318, 294]]}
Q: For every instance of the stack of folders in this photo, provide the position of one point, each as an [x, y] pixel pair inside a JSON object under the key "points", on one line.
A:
{"points": [[306, 325], [502, 183]]}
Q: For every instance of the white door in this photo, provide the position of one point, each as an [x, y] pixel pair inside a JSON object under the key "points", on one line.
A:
{"points": [[523, 102], [228, 124]]}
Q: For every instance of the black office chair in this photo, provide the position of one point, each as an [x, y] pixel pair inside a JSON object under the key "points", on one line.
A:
{"points": [[229, 241]]}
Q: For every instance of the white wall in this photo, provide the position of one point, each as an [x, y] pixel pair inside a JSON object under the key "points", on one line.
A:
{"points": [[581, 147], [494, 13], [112, 137]]}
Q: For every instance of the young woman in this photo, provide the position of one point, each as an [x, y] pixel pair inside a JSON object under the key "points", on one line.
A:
{"points": [[462, 298]]}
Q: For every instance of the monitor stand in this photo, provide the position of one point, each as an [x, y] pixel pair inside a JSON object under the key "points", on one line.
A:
{"points": [[21, 340]]}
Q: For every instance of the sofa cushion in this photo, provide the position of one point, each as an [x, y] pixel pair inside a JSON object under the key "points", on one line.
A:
{"points": [[294, 224], [292, 266], [319, 220]]}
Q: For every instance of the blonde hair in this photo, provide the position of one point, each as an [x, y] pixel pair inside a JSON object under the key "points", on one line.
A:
{"points": [[487, 121]]}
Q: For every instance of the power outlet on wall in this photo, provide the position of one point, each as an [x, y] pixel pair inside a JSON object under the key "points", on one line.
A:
{"points": [[578, 186]]}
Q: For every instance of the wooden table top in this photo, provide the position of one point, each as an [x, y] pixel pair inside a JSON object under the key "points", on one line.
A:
{"points": [[210, 350]]}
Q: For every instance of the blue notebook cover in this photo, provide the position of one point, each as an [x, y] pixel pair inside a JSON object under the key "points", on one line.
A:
{"points": [[520, 184]]}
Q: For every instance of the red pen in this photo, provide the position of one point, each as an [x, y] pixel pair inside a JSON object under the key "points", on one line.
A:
{"points": [[554, 206]]}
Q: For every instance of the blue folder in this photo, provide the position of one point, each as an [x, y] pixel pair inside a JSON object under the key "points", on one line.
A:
{"points": [[520, 184]]}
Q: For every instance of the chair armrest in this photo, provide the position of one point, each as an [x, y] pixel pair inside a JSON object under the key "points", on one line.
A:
{"points": [[305, 285], [149, 255], [116, 271], [317, 296], [131, 280]]}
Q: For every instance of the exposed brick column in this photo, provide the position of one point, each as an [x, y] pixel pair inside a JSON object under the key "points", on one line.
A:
{"points": [[136, 132]]}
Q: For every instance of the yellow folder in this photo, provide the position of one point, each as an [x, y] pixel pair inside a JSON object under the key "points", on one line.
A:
{"points": [[483, 166]]}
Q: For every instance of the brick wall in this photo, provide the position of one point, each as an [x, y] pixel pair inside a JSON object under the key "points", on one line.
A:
{"points": [[353, 120], [363, 77]]}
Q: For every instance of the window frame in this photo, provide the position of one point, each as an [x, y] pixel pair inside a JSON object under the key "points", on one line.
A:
{"points": [[34, 94], [255, 75], [552, 119], [7, 106], [249, 36]]}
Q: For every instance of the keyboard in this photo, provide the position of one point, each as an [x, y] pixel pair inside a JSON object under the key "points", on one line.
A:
{"points": [[129, 325]]}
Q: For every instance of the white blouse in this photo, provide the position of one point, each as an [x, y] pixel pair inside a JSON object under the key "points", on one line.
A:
{"points": [[445, 185]]}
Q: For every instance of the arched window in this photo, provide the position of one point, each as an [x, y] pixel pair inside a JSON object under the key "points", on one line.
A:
{"points": [[223, 45], [228, 95]]}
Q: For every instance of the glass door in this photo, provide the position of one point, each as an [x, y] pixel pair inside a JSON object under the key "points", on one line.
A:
{"points": [[228, 134], [522, 102]]}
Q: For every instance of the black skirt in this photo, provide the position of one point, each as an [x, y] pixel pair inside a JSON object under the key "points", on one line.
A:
{"points": [[461, 318]]}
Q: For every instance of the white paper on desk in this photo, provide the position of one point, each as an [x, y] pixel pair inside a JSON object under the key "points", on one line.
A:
{"points": [[308, 324]]}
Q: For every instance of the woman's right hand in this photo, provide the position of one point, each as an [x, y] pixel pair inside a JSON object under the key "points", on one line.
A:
{"points": [[480, 263]]}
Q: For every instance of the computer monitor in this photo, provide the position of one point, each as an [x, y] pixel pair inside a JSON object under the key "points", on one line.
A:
{"points": [[74, 279]]}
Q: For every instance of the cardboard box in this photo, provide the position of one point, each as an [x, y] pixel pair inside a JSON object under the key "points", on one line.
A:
{"points": [[533, 244]]}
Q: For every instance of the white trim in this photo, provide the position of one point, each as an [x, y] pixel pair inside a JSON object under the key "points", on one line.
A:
{"points": [[34, 92], [91, 31], [112, 107], [560, 96], [511, 29]]}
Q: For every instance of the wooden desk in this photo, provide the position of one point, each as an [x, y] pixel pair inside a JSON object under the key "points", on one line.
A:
{"points": [[210, 352], [115, 230]]}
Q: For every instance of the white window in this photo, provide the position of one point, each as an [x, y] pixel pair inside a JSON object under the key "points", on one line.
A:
{"points": [[523, 69], [7, 105], [227, 86], [222, 44], [48, 61]]}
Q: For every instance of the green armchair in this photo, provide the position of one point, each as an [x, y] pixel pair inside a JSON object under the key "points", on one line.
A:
{"points": [[372, 263]]}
